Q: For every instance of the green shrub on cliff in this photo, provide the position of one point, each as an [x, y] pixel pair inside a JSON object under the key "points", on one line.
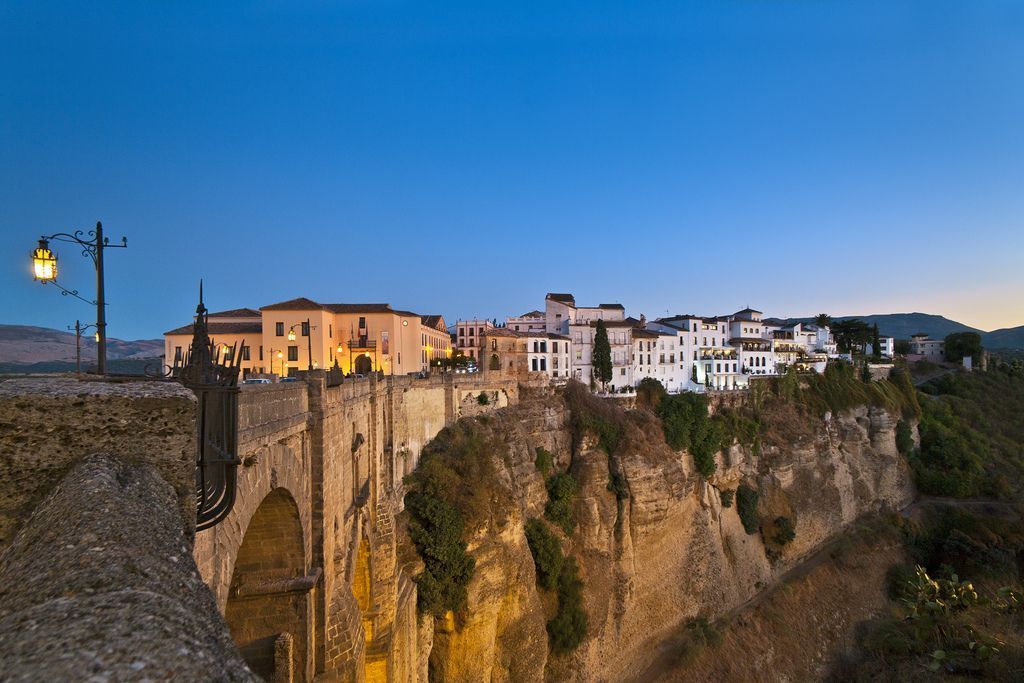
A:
{"points": [[904, 438], [547, 553], [544, 461], [784, 532], [453, 487], [687, 425], [435, 527], [561, 494], [746, 508], [592, 415], [727, 498], [569, 626]]}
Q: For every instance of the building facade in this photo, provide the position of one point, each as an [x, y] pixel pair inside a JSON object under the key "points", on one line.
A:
{"points": [[299, 334]]}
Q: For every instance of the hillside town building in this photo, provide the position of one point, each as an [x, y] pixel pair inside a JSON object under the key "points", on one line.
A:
{"points": [[294, 335], [923, 348], [469, 336]]}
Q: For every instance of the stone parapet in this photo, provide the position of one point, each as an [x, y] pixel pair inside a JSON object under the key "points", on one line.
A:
{"points": [[47, 424]]}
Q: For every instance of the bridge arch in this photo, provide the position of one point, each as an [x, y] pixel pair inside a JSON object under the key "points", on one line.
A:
{"points": [[268, 608]]}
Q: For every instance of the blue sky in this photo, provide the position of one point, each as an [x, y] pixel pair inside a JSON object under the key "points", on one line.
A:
{"points": [[465, 157]]}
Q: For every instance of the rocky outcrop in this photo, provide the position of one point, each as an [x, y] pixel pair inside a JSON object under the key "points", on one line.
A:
{"points": [[664, 554]]}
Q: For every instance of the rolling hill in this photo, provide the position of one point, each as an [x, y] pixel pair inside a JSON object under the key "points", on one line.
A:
{"points": [[903, 325], [26, 345]]}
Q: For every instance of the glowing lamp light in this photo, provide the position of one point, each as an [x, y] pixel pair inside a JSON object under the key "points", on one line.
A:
{"points": [[291, 334], [280, 355], [97, 337], [44, 262], [340, 349]]}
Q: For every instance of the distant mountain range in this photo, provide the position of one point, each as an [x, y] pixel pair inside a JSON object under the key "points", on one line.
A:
{"points": [[41, 349], [903, 325]]}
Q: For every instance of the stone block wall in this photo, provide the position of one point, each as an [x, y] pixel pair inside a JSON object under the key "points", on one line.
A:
{"points": [[47, 424]]}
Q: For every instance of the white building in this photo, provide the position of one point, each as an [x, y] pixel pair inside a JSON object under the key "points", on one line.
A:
{"points": [[527, 322], [887, 346]]}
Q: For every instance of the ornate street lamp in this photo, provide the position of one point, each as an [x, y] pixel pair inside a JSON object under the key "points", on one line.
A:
{"points": [[44, 263], [93, 244], [309, 340]]}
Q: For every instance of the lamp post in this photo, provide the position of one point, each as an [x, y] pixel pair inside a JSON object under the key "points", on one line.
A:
{"points": [[79, 328], [309, 340], [93, 244]]}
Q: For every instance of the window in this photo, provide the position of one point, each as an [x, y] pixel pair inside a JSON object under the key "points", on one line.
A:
{"points": [[471, 331], [543, 347], [622, 371], [279, 329], [494, 345], [293, 353], [245, 353], [718, 367], [330, 331], [305, 329], [544, 364], [533, 364], [261, 351], [536, 345], [362, 322], [177, 353], [554, 347], [554, 363], [228, 353]]}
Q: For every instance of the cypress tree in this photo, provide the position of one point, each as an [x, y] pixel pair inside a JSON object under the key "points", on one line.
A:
{"points": [[876, 347], [602, 354]]}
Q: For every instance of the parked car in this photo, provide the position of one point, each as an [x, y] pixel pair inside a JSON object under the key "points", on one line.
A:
{"points": [[289, 379], [256, 380]]}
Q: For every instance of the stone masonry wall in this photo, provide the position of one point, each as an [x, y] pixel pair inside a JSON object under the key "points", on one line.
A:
{"points": [[48, 424]]}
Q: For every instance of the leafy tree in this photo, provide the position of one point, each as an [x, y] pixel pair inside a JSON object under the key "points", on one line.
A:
{"points": [[851, 335], [876, 343], [650, 392], [902, 347], [823, 320], [959, 345], [602, 354]]}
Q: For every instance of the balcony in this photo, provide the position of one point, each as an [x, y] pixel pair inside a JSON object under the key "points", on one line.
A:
{"points": [[362, 343]]}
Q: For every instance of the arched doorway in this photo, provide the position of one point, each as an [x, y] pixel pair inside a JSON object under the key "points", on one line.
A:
{"points": [[266, 612], [364, 365]]}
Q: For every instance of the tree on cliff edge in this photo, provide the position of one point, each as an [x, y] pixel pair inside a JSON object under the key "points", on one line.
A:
{"points": [[602, 355]]}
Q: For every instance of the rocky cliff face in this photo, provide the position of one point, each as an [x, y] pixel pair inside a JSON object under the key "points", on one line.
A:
{"points": [[668, 551]]}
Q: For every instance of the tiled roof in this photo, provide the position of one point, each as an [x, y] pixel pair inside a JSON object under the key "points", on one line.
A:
{"points": [[358, 308], [645, 334], [223, 328], [435, 321], [299, 304], [564, 298], [618, 307], [532, 314], [236, 313]]}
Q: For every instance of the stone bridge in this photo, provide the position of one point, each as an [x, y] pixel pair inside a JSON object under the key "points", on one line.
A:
{"points": [[304, 568], [303, 571]]}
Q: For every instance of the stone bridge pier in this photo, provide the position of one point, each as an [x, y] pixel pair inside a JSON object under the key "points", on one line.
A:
{"points": [[304, 569]]}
